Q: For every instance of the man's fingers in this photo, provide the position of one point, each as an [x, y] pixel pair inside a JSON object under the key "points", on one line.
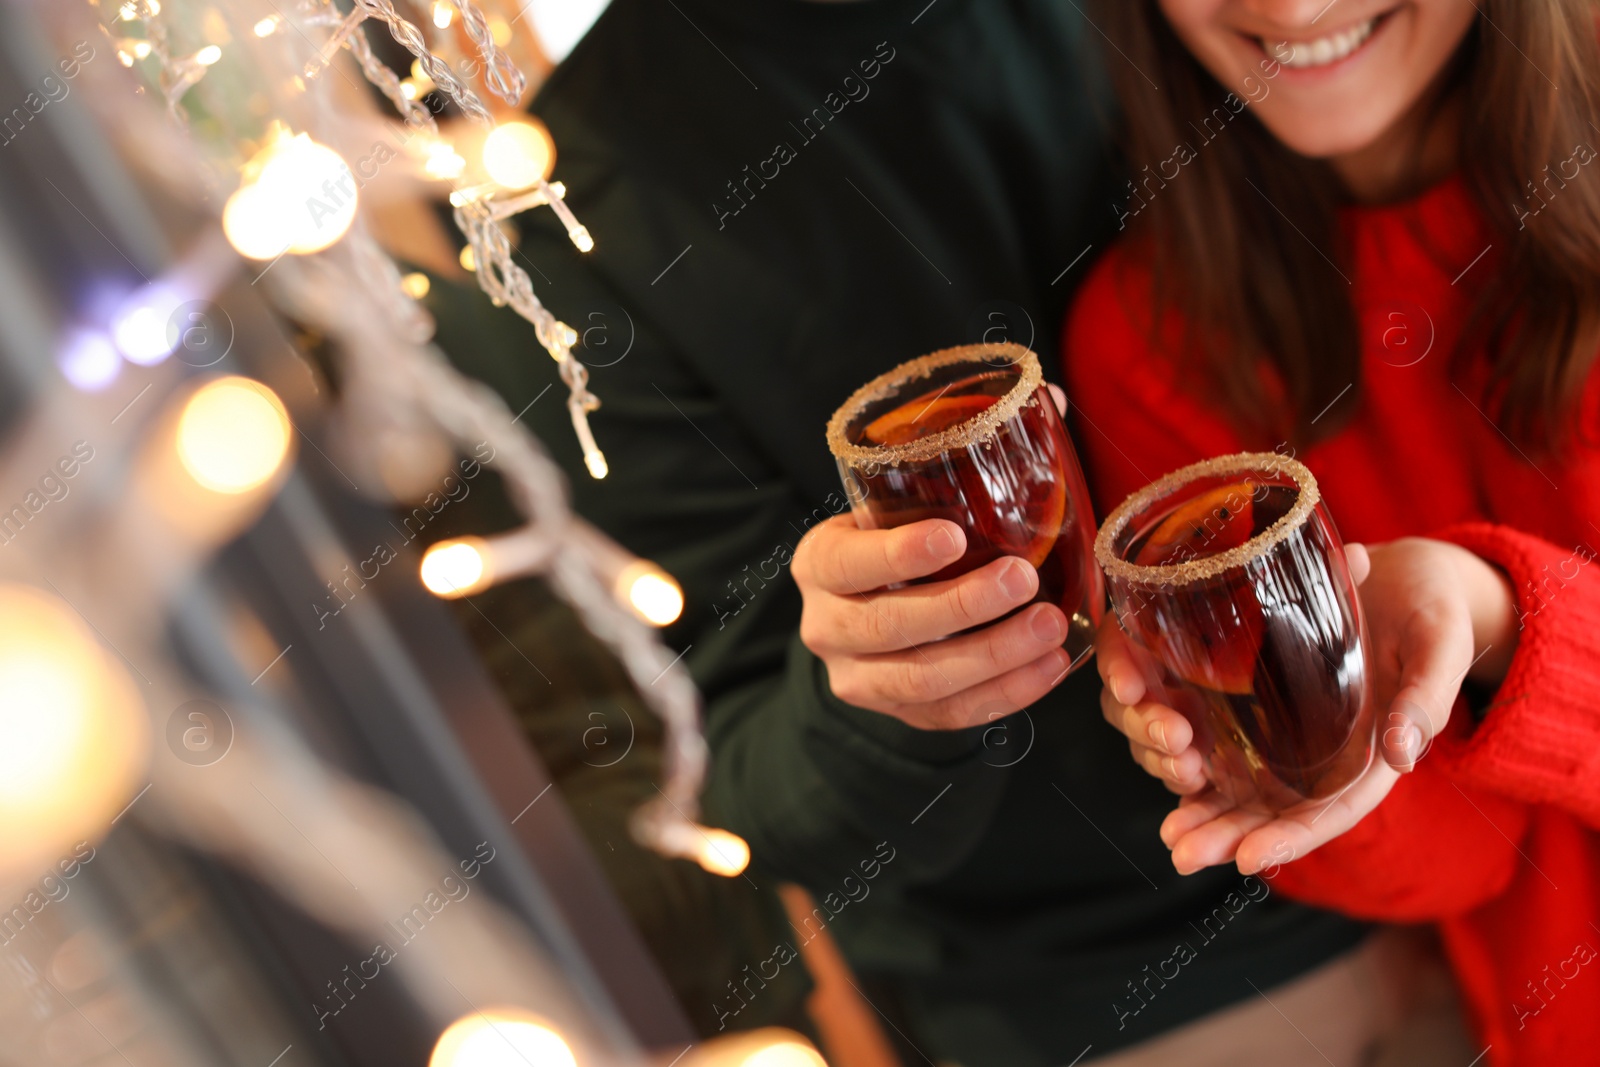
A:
{"points": [[1114, 660], [839, 557], [1008, 693], [921, 614], [936, 671]]}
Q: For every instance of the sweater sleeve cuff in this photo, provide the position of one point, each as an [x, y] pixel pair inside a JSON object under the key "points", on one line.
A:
{"points": [[1539, 741]]}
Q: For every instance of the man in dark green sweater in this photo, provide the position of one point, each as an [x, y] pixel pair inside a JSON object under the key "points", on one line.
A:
{"points": [[787, 198]]}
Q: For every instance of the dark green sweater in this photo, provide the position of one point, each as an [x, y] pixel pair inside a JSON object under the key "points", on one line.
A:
{"points": [[788, 198]]}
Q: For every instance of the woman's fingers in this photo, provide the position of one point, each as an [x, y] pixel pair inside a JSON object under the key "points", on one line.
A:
{"points": [[1215, 841], [1310, 826], [1155, 725], [1114, 660], [1182, 774], [1435, 654], [1193, 812], [1360, 561]]}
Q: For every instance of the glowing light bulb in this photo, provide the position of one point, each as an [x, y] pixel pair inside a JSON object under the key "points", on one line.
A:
{"points": [[128, 12], [208, 55], [518, 155], [785, 1054], [653, 595], [408, 89], [443, 14], [301, 199], [268, 26], [499, 30], [581, 238], [89, 361], [501, 1037], [415, 285], [125, 57], [141, 49], [76, 737], [468, 260], [722, 852], [443, 162], [233, 435], [457, 568]]}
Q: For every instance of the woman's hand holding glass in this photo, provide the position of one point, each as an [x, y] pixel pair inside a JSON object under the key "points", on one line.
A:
{"points": [[1436, 615]]}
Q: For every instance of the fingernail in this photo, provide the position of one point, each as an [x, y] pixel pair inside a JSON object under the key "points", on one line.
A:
{"points": [[1413, 744], [1056, 664], [1119, 687], [1158, 734], [1014, 580], [941, 543], [1169, 767], [1046, 626]]}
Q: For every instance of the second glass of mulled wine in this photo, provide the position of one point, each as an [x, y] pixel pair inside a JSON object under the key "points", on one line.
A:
{"points": [[972, 435], [1231, 581]]}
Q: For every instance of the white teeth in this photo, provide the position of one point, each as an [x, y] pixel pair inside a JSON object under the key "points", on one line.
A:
{"points": [[1323, 50]]}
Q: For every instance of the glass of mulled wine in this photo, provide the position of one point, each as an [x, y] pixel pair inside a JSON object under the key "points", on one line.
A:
{"points": [[1231, 581], [972, 435]]}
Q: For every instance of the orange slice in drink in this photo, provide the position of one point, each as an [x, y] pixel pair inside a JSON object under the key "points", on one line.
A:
{"points": [[1210, 523], [923, 417], [1221, 656], [1047, 523]]}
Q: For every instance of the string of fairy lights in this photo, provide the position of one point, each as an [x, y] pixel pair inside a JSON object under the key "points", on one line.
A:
{"points": [[297, 213]]}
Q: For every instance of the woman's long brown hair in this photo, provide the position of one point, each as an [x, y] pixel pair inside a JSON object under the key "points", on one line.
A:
{"points": [[1245, 245]]}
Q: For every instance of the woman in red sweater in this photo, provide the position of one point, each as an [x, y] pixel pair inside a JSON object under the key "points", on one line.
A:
{"points": [[1368, 233]]}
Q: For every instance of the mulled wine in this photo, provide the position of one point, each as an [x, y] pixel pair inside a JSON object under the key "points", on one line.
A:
{"points": [[972, 435], [1231, 580]]}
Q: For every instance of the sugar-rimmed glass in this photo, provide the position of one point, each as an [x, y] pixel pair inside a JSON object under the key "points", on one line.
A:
{"points": [[1231, 580], [972, 435]]}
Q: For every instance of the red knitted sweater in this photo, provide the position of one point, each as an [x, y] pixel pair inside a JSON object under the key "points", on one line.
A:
{"points": [[1494, 835]]}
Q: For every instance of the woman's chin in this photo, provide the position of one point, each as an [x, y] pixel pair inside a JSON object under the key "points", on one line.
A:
{"points": [[1324, 139]]}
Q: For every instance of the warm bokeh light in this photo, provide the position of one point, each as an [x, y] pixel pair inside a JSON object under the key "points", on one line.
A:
{"points": [[298, 196], [785, 1054], [443, 14], [596, 462], [267, 26], [415, 285], [501, 1037], [76, 737], [722, 852], [457, 568], [233, 435], [443, 162], [467, 259], [652, 593], [208, 55], [518, 155]]}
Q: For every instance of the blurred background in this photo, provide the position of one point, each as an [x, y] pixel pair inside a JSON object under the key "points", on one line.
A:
{"points": [[327, 734]]}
